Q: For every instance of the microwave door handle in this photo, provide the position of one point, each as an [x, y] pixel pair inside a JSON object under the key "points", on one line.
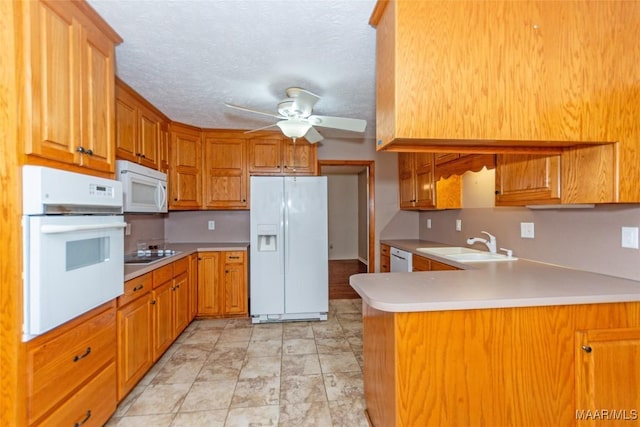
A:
{"points": [[163, 197], [57, 229]]}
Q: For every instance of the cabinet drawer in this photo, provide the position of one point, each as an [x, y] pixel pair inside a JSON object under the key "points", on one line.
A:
{"points": [[162, 275], [385, 264], [92, 405], [233, 257], [180, 266], [57, 367], [135, 288]]}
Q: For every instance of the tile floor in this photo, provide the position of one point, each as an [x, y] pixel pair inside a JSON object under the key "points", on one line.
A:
{"points": [[232, 373]]}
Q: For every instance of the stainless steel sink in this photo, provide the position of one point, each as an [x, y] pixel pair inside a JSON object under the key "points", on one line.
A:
{"points": [[464, 255]]}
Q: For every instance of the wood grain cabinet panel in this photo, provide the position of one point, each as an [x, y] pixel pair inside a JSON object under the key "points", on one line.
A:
{"points": [[69, 97], [185, 180], [222, 284], [523, 179], [421, 263], [385, 258], [277, 155], [58, 366], [418, 187], [225, 174], [162, 314]]}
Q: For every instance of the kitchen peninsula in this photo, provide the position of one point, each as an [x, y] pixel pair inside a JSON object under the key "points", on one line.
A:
{"points": [[501, 344]]}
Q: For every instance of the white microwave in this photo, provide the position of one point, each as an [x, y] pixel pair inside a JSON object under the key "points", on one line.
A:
{"points": [[144, 189]]}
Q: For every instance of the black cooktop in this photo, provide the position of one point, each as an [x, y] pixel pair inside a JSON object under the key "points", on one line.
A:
{"points": [[144, 259]]}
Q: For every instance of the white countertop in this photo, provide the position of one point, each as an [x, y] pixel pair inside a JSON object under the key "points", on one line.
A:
{"points": [[182, 250], [519, 283]]}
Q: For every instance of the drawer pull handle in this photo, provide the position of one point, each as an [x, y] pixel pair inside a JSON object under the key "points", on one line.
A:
{"points": [[234, 257], [86, 418], [587, 348], [86, 353], [137, 288]]}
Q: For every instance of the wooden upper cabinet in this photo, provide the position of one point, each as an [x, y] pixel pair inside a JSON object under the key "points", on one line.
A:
{"points": [[418, 188], [185, 179], [68, 99], [506, 71], [225, 174], [139, 129], [526, 179], [277, 155]]}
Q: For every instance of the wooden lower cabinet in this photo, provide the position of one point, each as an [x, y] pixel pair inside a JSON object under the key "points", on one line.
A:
{"points": [[385, 258], [222, 284], [522, 366], [162, 307], [75, 359]]}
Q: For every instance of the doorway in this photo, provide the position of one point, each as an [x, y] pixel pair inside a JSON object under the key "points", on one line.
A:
{"points": [[351, 188]]}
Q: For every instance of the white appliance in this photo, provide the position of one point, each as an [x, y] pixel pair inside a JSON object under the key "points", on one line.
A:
{"points": [[145, 189], [73, 246], [401, 261], [289, 249]]}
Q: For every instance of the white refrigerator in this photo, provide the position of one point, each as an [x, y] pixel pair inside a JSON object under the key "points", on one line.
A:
{"points": [[289, 278]]}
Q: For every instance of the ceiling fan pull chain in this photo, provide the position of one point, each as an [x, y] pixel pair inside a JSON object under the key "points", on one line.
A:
{"points": [[293, 158]]}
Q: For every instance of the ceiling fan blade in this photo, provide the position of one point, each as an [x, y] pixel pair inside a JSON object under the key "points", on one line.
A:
{"points": [[262, 128], [313, 136], [354, 125], [250, 110]]}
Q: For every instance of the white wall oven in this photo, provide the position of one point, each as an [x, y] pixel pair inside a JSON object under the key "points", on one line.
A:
{"points": [[73, 246]]}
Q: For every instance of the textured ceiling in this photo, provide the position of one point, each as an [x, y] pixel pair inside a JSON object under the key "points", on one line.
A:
{"points": [[189, 57]]}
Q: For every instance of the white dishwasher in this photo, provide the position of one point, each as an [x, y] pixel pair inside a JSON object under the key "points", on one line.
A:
{"points": [[401, 261]]}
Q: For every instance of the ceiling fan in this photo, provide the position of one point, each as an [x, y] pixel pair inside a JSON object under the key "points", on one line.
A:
{"points": [[296, 119]]}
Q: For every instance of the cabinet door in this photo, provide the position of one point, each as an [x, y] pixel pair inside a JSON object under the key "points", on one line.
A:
{"points": [[607, 374], [180, 303], [163, 148], [235, 283], [265, 155], [523, 179], [162, 302], [299, 158], [149, 135], [406, 180], [193, 286], [209, 288], [225, 172], [421, 263], [98, 115], [126, 126], [55, 72], [424, 183], [135, 343], [185, 183]]}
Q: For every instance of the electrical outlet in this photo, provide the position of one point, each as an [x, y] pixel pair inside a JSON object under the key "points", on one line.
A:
{"points": [[630, 237], [527, 230], [458, 225], [429, 223], [127, 230], [211, 225]]}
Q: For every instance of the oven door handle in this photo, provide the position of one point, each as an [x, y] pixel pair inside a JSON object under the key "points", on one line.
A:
{"points": [[57, 229]]}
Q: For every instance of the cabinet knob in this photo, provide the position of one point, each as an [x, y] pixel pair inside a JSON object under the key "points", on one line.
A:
{"points": [[90, 152], [497, 193], [137, 288], [153, 302], [138, 154], [80, 149], [175, 200], [587, 348], [143, 156]]}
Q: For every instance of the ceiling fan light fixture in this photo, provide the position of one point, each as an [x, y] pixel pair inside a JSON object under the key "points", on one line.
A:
{"points": [[294, 128]]}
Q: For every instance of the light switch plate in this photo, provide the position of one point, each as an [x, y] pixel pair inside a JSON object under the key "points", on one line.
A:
{"points": [[211, 225], [630, 237], [458, 225], [429, 223], [527, 230]]}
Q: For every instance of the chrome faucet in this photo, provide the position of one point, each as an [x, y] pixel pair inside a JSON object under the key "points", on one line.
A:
{"points": [[491, 243]]}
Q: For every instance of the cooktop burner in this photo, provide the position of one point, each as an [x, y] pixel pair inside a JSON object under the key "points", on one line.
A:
{"points": [[136, 258]]}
